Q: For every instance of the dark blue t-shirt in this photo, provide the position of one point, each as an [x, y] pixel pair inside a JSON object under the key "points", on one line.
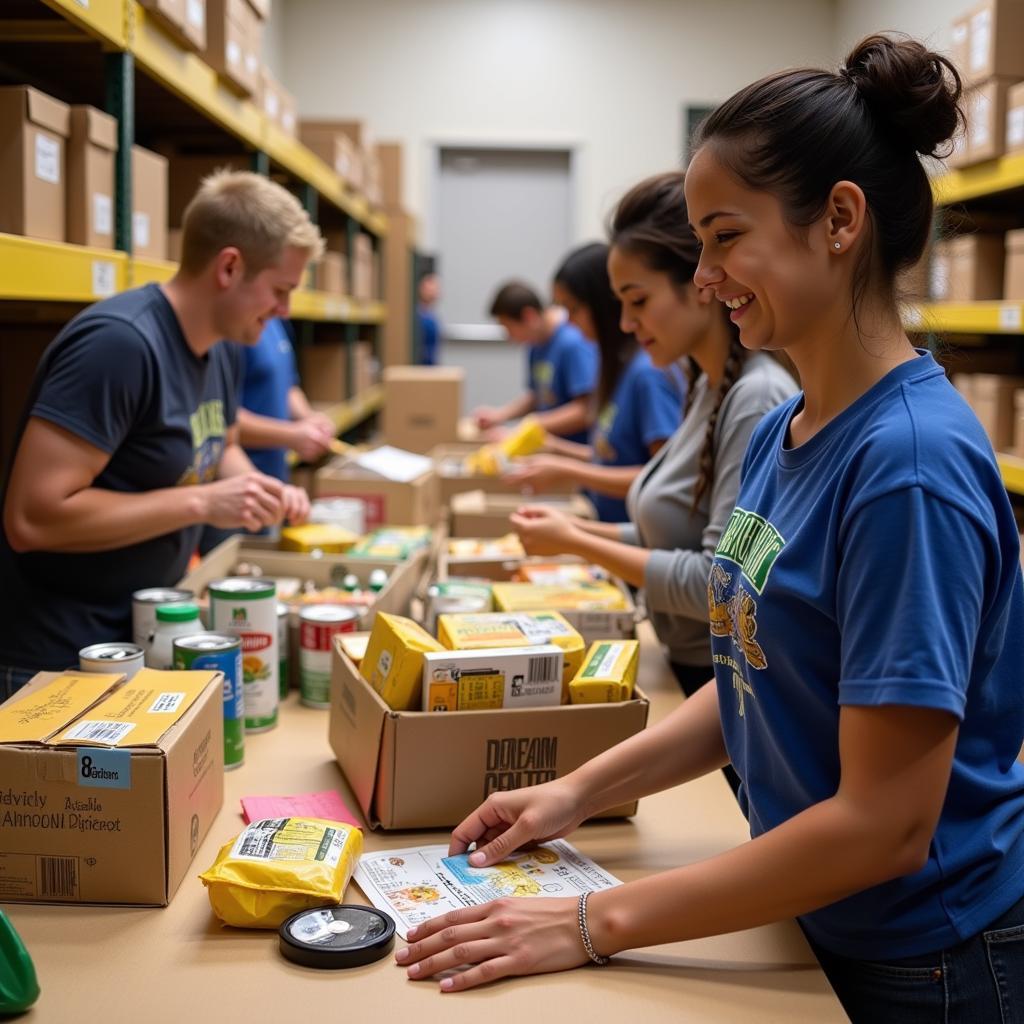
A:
{"points": [[269, 374], [645, 407], [878, 564], [562, 368], [429, 336], [121, 377]]}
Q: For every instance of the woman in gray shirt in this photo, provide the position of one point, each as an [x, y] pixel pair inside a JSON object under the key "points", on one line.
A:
{"points": [[681, 501]]}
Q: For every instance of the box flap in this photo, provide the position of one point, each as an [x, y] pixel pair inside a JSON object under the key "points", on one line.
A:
{"points": [[47, 112], [52, 701], [424, 374], [140, 712], [98, 128]]}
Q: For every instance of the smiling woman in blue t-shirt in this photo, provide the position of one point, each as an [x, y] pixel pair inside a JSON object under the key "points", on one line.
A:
{"points": [[866, 601], [638, 405]]}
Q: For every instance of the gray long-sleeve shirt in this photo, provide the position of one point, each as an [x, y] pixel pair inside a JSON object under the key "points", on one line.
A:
{"points": [[682, 541]]}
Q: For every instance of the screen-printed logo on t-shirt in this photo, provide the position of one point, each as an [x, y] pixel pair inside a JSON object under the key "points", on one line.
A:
{"points": [[543, 378], [602, 446], [734, 615], [208, 432], [753, 544]]}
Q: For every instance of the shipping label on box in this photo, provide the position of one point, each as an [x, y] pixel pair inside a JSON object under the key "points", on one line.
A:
{"points": [[108, 787]]}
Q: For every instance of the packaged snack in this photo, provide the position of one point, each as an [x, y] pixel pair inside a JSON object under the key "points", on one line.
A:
{"points": [[326, 537], [397, 542], [500, 678], [608, 673], [279, 866], [393, 664], [492, 459], [508, 546], [580, 597], [560, 574]]}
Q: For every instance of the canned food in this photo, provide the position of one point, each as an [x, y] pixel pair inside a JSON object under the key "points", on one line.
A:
{"points": [[144, 606], [283, 675], [318, 625], [219, 652], [455, 598], [126, 658], [246, 607]]}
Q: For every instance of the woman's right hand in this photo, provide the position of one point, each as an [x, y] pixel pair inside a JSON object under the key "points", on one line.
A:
{"points": [[508, 821]]}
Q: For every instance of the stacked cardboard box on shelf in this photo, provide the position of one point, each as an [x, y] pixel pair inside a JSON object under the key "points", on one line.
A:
{"points": [[1013, 276], [968, 268], [234, 40], [996, 401], [149, 204], [334, 147], [92, 146], [184, 20]]}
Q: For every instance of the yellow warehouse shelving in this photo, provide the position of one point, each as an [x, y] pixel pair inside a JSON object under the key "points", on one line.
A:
{"points": [[985, 179], [103, 19], [966, 317], [1012, 469], [57, 272]]}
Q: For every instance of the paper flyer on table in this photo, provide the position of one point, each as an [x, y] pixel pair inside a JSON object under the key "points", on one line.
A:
{"points": [[417, 884]]}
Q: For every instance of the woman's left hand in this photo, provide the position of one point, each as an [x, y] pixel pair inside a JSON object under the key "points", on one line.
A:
{"points": [[500, 939], [540, 473], [544, 531]]}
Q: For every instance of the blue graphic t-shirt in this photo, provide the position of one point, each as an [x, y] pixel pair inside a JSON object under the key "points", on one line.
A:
{"points": [[121, 377], [563, 368], [269, 374], [878, 564], [646, 407]]}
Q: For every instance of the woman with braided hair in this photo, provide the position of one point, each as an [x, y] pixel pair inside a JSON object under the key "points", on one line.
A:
{"points": [[868, 670], [681, 500]]}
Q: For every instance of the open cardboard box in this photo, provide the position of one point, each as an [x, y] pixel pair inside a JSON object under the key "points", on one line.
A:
{"points": [[96, 824], [429, 769], [485, 514], [448, 464]]}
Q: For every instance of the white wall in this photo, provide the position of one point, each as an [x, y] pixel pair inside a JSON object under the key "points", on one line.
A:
{"points": [[927, 20], [607, 77]]}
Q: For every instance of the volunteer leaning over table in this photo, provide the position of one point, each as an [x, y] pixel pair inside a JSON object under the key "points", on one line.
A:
{"points": [[128, 445], [866, 602]]}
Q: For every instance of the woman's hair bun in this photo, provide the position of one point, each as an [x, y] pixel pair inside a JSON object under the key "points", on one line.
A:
{"points": [[913, 91]]}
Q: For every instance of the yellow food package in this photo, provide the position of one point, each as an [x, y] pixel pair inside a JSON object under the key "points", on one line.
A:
{"points": [[562, 574], [311, 536], [524, 629], [279, 866], [393, 663], [578, 597], [508, 546], [527, 439], [608, 673]]}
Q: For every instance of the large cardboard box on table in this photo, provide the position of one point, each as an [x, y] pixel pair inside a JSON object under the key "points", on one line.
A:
{"points": [[995, 30], [33, 130], [422, 406], [482, 514], [391, 758], [109, 787], [388, 502], [149, 204], [92, 146]]}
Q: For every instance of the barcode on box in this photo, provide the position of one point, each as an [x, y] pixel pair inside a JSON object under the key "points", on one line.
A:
{"points": [[543, 670], [100, 731], [58, 877], [166, 703]]}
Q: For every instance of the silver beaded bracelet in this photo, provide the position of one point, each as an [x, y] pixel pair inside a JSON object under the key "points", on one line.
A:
{"points": [[585, 932]]}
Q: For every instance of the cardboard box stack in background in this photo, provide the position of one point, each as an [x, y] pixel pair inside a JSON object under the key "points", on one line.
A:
{"points": [[1013, 276], [149, 204], [986, 44], [330, 273], [995, 399], [231, 31], [34, 128], [422, 405], [186, 173], [117, 822], [1015, 118], [365, 368], [968, 268], [323, 369], [184, 20], [334, 147], [92, 146], [364, 268], [277, 103]]}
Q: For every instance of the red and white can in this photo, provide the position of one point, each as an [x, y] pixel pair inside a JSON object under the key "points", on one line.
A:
{"points": [[318, 625]]}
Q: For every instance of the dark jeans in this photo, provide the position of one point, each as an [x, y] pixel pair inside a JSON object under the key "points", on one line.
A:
{"points": [[691, 678], [979, 981], [12, 679]]}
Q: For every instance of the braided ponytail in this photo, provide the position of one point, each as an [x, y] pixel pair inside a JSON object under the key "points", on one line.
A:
{"points": [[730, 374]]}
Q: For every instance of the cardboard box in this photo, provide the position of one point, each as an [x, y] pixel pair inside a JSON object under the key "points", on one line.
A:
{"points": [[480, 514], [334, 147], [33, 130], [174, 244], [512, 677], [422, 405], [261, 8], [253, 55], [183, 20], [1018, 426], [975, 267], [323, 369], [1013, 274], [449, 461], [959, 43], [289, 112], [390, 161], [388, 502], [100, 823], [92, 146], [372, 185], [186, 174], [363, 268], [993, 398], [365, 368], [149, 204], [391, 758], [330, 273], [227, 42], [994, 41], [1015, 118], [985, 106]]}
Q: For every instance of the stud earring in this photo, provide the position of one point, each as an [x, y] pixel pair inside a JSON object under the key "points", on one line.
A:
{"points": [[837, 245]]}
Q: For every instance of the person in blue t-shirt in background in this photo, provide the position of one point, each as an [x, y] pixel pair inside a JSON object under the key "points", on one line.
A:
{"points": [[639, 406], [561, 366], [866, 602], [428, 327], [274, 415]]}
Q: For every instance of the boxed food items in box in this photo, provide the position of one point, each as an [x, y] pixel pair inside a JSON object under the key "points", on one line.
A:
{"points": [[608, 673], [117, 784], [598, 610], [397, 542], [391, 761], [325, 537], [393, 663], [500, 678], [446, 597], [456, 478]]}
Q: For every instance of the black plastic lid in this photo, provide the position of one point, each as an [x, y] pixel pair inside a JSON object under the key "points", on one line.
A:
{"points": [[330, 938]]}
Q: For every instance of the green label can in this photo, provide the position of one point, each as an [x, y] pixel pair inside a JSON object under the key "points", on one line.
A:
{"points": [[221, 653], [246, 607], [283, 625]]}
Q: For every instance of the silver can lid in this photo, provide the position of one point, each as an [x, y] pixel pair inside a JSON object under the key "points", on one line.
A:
{"points": [[207, 642], [328, 613], [254, 586], [111, 652]]}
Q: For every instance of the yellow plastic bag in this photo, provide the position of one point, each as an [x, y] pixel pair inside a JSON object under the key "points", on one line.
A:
{"points": [[280, 866]]}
